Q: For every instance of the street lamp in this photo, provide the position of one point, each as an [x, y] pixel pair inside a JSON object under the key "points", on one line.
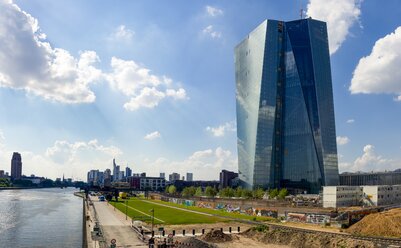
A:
{"points": [[153, 217], [125, 209]]}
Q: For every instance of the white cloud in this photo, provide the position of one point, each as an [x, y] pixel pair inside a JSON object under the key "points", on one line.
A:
{"points": [[65, 152], [350, 121], [153, 135], [30, 63], [144, 88], [209, 30], [222, 129], [342, 140], [369, 161], [379, 72], [122, 33], [201, 154], [340, 16], [177, 94], [205, 164], [213, 11], [148, 98]]}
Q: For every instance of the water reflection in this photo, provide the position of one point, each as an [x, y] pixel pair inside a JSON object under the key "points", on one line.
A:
{"points": [[40, 217]]}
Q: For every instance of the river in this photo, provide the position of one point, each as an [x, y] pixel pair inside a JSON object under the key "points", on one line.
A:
{"points": [[40, 218]]}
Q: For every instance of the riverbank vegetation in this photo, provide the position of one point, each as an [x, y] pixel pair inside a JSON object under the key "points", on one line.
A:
{"points": [[4, 183]]}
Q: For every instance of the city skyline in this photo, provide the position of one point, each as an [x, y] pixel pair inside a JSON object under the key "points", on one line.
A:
{"points": [[285, 116], [155, 88]]}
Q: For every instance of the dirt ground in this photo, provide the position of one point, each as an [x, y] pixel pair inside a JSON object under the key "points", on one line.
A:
{"points": [[240, 241], [386, 224], [296, 239], [313, 227]]}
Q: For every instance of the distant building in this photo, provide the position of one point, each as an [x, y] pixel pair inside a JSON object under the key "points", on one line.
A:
{"points": [[116, 171], [16, 166], [190, 177], [174, 177], [371, 178], [163, 175], [2, 174], [147, 183], [34, 179], [95, 178], [128, 172], [107, 179], [342, 196], [226, 178], [143, 174], [120, 176], [367, 195]]}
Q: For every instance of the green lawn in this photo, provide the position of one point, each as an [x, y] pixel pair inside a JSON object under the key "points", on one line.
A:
{"points": [[163, 213], [176, 216], [218, 212]]}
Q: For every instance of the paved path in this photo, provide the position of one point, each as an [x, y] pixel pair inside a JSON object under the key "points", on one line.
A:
{"points": [[115, 226]]}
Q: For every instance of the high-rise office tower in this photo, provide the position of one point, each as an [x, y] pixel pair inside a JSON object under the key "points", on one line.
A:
{"points": [[16, 166], [116, 171], [190, 177], [285, 114], [128, 172]]}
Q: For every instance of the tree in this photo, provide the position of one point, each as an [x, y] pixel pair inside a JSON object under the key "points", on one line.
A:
{"points": [[210, 191], [199, 191], [282, 193], [23, 183], [4, 182], [238, 192], [188, 191], [227, 192], [246, 193], [172, 189], [46, 183], [273, 193], [258, 193], [166, 189]]}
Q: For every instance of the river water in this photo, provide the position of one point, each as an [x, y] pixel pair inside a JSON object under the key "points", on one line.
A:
{"points": [[40, 218]]}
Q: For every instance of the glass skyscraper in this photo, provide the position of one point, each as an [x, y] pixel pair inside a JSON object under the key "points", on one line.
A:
{"points": [[285, 114]]}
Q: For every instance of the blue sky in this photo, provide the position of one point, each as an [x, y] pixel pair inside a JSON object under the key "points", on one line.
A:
{"points": [[151, 83]]}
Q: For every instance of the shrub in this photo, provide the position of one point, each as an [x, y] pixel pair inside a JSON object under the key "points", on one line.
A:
{"points": [[261, 228]]}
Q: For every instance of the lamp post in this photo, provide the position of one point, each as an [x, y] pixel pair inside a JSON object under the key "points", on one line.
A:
{"points": [[125, 209], [153, 217]]}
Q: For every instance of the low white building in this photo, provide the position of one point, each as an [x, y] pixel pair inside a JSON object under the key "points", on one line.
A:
{"points": [[381, 195], [371, 195], [341, 196]]}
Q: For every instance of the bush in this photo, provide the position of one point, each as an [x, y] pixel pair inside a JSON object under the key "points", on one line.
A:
{"points": [[282, 193], [261, 228]]}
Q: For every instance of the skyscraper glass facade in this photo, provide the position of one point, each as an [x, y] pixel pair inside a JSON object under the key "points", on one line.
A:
{"points": [[285, 115]]}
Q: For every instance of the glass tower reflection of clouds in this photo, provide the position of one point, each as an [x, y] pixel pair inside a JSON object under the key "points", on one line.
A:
{"points": [[285, 114]]}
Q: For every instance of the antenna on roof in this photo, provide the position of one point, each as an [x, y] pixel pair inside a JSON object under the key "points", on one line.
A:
{"points": [[301, 9]]}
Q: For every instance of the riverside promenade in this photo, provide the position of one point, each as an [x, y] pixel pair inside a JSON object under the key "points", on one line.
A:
{"points": [[114, 226]]}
